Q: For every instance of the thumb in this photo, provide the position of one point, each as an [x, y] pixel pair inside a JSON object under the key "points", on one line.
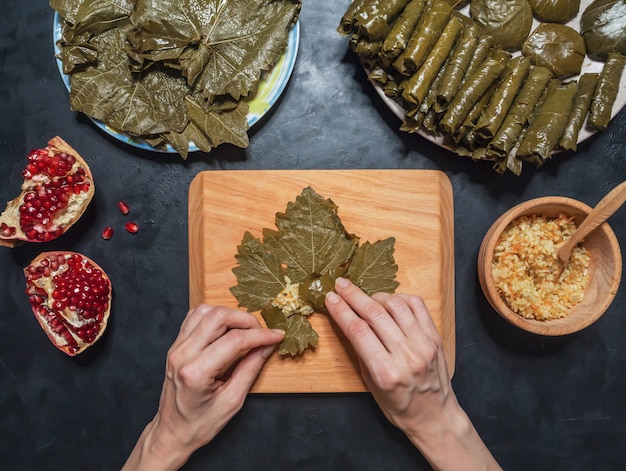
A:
{"points": [[248, 369]]}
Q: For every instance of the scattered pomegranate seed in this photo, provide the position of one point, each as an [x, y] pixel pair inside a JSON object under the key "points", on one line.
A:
{"points": [[132, 227], [124, 208], [107, 233]]}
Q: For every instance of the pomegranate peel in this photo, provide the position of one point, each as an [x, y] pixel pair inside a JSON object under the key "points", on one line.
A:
{"points": [[70, 296], [57, 188]]}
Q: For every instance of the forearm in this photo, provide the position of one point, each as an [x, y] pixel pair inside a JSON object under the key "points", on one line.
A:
{"points": [[453, 443], [153, 453]]}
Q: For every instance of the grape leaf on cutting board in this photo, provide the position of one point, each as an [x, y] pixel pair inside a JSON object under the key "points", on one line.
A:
{"points": [[299, 262]]}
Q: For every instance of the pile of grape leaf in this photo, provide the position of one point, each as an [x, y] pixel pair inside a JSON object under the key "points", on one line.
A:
{"points": [[311, 248], [172, 71]]}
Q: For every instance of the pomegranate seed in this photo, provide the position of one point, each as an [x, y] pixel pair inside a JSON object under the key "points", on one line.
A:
{"points": [[124, 208], [7, 231], [107, 233], [39, 212], [132, 227]]}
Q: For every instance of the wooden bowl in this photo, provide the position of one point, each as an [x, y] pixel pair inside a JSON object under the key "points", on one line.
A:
{"points": [[605, 267]]}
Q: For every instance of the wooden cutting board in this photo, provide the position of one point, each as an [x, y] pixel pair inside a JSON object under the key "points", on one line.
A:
{"points": [[414, 206]]}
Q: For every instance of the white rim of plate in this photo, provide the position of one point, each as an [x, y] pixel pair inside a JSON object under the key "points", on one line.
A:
{"points": [[271, 87]]}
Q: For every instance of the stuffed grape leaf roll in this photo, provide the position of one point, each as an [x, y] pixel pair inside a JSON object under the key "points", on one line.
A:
{"points": [[606, 91], [458, 65], [375, 17], [473, 89], [363, 47], [424, 38], [520, 112], [493, 115], [586, 88], [421, 81], [347, 25], [398, 37], [545, 131]]}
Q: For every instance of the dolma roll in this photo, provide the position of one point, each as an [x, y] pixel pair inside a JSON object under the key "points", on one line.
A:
{"points": [[431, 122], [510, 162], [431, 115], [586, 87], [473, 89], [460, 60], [511, 82], [606, 91], [374, 18], [545, 131], [483, 50], [392, 89], [426, 105], [347, 25], [513, 161], [424, 39], [421, 81], [398, 37], [363, 47], [410, 125], [466, 133], [519, 113], [378, 74]]}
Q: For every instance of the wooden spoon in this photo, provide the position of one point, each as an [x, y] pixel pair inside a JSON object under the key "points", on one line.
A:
{"points": [[602, 211]]}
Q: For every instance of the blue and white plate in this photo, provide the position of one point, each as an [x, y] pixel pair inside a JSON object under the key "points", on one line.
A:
{"points": [[271, 87]]}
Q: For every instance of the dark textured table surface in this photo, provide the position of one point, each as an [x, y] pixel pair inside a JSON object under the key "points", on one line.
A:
{"points": [[539, 403]]}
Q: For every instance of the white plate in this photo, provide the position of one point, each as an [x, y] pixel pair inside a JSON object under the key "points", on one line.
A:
{"points": [[271, 87], [589, 65]]}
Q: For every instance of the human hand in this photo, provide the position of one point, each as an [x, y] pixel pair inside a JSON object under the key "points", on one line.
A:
{"points": [[403, 365], [400, 351], [211, 366]]}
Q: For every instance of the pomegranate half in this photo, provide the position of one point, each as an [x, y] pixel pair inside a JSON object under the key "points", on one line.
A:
{"points": [[56, 190], [70, 296]]}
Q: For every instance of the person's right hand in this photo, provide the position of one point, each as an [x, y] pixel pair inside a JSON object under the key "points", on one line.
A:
{"points": [[403, 365]]}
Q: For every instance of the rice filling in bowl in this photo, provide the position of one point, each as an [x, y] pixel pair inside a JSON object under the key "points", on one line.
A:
{"points": [[526, 269]]}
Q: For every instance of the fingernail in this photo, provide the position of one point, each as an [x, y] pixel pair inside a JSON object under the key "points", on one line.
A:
{"points": [[342, 282], [267, 351], [279, 331], [332, 297]]}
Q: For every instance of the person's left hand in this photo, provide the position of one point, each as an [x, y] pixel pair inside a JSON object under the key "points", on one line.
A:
{"points": [[211, 367]]}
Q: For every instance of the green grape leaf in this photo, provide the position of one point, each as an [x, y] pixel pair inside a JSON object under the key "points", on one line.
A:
{"points": [[151, 102], [310, 237], [93, 17], [260, 276], [309, 249], [373, 268], [220, 46], [299, 333]]}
